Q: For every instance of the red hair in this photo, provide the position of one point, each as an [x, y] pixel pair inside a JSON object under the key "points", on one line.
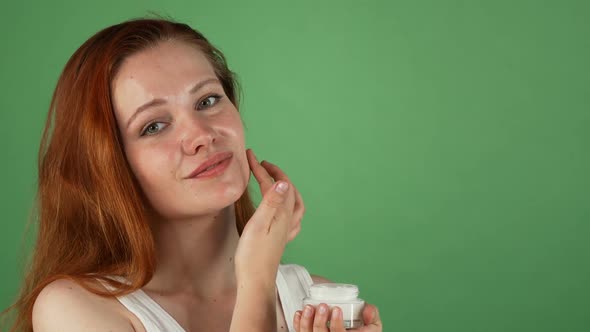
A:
{"points": [[91, 210]]}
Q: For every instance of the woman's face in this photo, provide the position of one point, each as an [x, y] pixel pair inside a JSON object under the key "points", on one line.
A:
{"points": [[167, 141]]}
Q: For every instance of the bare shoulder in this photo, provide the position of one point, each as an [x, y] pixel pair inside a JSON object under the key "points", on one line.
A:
{"points": [[64, 305], [319, 279]]}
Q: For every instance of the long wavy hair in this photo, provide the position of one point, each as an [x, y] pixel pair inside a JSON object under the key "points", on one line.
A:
{"points": [[91, 212]]}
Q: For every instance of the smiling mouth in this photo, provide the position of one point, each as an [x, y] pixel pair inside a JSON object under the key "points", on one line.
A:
{"points": [[214, 170], [211, 167], [220, 162]]}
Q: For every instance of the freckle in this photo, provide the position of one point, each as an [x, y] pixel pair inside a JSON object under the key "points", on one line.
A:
{"points": [[230, 259]]}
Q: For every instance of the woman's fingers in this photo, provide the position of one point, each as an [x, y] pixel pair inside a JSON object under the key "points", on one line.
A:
{"points": [[371, 319], [265, 236], [299, 207], [297, 321], [266, 174], [306, 323], [315, 319], [264, 179], [336, 320], [276, 172], [371, 315], [320, 321]]}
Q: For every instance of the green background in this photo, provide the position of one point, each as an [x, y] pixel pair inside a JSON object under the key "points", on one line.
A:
{"points": [[441, 147]]}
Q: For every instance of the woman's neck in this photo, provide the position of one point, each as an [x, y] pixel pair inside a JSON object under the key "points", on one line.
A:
{"points": [[195, 256]]}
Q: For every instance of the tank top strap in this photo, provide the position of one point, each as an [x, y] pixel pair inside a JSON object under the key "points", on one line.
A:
{"points": [[293, 283], [153, 317]]}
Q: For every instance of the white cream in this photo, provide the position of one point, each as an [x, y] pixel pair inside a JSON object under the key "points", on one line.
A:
{"points": [[344, 296]]}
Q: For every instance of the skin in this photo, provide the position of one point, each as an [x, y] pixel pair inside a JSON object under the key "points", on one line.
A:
{"points": [[193, 219], [208, 278], [315, 319], [189, 215]]}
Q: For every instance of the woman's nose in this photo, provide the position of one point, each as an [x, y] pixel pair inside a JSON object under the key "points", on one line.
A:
{"points": [[196, 134]]}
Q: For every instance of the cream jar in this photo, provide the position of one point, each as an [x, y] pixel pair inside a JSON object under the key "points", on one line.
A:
{"points": [[344, 296]]}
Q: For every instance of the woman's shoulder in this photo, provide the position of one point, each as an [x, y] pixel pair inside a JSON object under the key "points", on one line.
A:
{"points": [[64, 305]]}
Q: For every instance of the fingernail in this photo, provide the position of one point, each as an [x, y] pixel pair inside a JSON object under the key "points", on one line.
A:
{"points": [[322, 309], [282, 187], [307, 312], [254, 155], [336, 313]]}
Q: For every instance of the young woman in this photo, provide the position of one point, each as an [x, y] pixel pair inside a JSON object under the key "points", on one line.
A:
{"points": [[146, 223]]}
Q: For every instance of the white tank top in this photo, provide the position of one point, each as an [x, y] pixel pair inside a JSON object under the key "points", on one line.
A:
{"points": [[293, 282]]}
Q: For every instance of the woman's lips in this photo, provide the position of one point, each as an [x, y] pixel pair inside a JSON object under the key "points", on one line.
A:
{"points": [[216, 170], [213, 160]]}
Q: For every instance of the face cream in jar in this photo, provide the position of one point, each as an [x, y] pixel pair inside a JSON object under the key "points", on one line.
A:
{"points": [[344, 296]]}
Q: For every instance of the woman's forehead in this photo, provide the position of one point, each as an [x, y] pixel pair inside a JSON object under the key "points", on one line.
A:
{"points": [[168, 70]]}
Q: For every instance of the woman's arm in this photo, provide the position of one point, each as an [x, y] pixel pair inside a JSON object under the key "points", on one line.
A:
{"points": [[275, 222], [255, 308]]}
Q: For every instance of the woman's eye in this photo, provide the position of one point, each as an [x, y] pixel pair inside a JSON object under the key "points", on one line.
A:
{"points": [[153, 128], [209, 101]]}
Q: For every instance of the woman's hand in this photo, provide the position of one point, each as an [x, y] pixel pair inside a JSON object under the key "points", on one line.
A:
{"points": [[266, 173], [315, 319], [277, 220]]}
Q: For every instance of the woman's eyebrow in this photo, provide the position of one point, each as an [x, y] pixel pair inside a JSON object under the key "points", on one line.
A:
{"points": [[159, 101]]}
